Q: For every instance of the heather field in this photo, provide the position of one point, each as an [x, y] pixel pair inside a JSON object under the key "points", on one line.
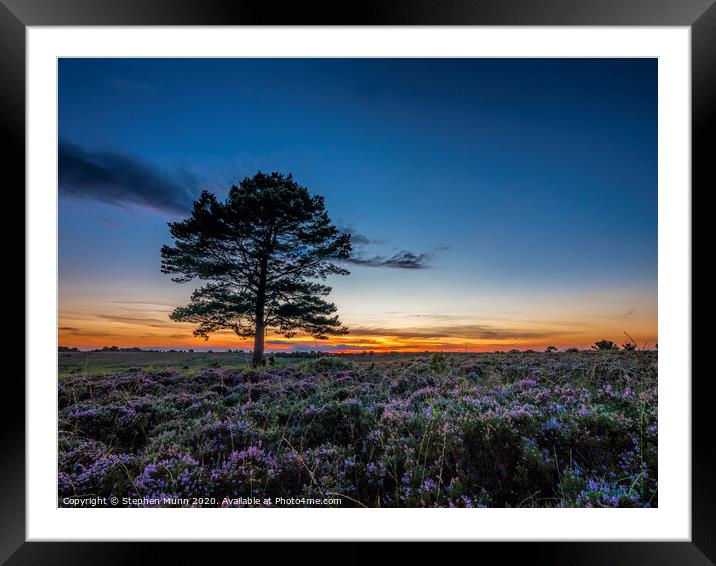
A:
{"points": [[561, 429]]}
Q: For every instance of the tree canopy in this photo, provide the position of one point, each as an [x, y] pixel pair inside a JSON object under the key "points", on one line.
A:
{"points": [[262, 254]]}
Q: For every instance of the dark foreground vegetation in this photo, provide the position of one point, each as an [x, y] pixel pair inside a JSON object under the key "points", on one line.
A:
{"points": [[563, 429]]}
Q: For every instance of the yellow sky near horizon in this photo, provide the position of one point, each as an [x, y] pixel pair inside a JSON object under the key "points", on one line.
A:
{"points": [[94, 324]]}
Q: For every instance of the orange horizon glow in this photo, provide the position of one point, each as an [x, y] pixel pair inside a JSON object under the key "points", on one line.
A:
{"points": [[92, 323], [373, 340]]}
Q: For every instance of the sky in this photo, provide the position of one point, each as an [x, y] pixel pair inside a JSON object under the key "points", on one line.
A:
{"points": [[494, 203]]}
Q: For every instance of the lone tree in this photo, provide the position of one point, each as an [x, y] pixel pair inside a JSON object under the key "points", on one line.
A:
{"points": [[261, 253]]}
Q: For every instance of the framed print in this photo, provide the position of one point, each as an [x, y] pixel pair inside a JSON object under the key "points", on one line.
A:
{"points": [[418, 274]]}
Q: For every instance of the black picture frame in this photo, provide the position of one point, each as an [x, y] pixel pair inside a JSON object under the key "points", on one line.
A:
{"points": [[16, 15]]}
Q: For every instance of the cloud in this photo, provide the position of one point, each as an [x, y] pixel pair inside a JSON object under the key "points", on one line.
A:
{"points": [[150, 303], [401, 260], [628, 314], [139, 320], [71, 331], [312, 347], [68, 329], [465, 331], [122, 179], [358, 239]]}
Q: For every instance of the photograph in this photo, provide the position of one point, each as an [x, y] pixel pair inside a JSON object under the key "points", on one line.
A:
{"points": [[374, 282]]}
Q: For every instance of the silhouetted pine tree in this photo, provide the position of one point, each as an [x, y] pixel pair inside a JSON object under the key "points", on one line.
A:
{"points": [[262, 253]]}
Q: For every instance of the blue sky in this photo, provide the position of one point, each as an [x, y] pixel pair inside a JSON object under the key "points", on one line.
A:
{"points": [[530, 185]]}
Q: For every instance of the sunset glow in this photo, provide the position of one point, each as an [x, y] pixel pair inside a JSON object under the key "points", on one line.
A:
{"points": [[149, 326]]}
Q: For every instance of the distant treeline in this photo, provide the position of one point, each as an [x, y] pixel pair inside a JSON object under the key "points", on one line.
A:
{"points": [[601, 345], [105, 349], [310, 354]]}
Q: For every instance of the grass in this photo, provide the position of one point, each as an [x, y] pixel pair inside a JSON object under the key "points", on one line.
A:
{"points": [[567, 429]]}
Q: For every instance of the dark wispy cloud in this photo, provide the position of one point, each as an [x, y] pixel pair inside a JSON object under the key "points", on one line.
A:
{"points": [[308, 347], [150, 303], [71, 331], [465, 331], [401, 260], [358, 239], [68, 329], [139, 320], [122, 179]]}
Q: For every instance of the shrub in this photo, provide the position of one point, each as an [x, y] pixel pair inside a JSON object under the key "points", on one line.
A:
{"points": [[326, 364], [178, 476], [439, 363], [603, 345], [89, 468]]}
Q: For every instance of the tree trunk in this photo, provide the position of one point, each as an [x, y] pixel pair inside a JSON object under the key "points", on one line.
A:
{"points": [[260, 320], [258, 344]]}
